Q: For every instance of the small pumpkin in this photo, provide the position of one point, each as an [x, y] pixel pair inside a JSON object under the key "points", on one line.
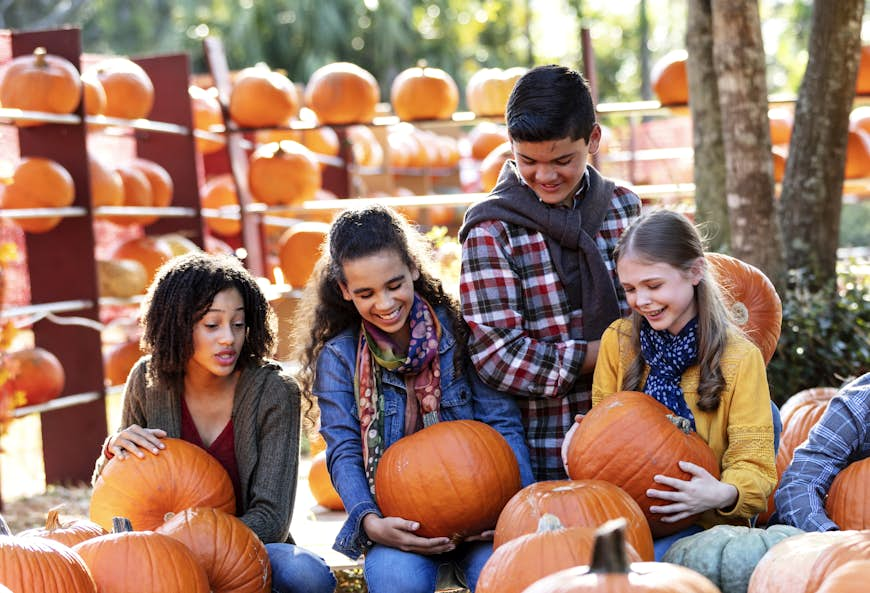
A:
{"points": [[342, 93], [467, 462], [39, 183], [605, 447], [486, 137], [94, 94], [299, 249], [40, 82], [233, 557], [179, 477], [423, 92], [488, 90], [107, 187], [283, 173], [68, 534], [321, 486], [129, 90], [262, 98], [119, 359], [727, 554], [125, 560], [220, 192], [848, 501], [669, 80], [37, 373], [206, 111]]}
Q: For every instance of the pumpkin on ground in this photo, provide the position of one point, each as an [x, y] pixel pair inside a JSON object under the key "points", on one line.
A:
{"points": [[127, 561], [605, 447], [40, 82], [119, 359], [423, 92], [727, 554], [283, 173], [129, 90], [576, 503], [36, 373], [40, 564], [179, 477], [68, 534], [233, 557], [320, 484], [39, 183], [611, 571], [262, 98], [299, 249], [342, 93], [553, 547], [848, 502], [467, 462]]}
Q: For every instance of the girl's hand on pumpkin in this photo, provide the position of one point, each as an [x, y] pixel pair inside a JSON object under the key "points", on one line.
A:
{"points": [[481, 537], [133, 439], [698, 494], [396, 532]]}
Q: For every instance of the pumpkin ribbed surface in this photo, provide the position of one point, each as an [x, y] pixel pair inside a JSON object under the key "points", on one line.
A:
{"points": [[40, 82], [283, 173], [488, 90], [424, 93], [848, 502], [39, 183], [342, 93], [786, 567], [129, 90], [262, 97], [38, 564]]}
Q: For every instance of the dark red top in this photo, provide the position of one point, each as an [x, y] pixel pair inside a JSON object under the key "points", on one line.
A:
{"points": [[222, 449]]}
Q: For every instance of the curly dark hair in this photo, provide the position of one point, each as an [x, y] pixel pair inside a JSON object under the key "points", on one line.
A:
{"points": [[180, 295], [323, 312]]}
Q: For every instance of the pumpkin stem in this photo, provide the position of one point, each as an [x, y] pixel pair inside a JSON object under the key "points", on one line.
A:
{"points": [[4, 526], [549, 522], [52, 518], [683, 424], [121, 525], [608, 553], [39, 54]]}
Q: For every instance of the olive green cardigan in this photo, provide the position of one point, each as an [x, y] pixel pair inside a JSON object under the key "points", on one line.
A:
{"points": [[266, 419]]}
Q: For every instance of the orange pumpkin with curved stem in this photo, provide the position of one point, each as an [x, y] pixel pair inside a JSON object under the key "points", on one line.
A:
{"points": [[39, 183], [40, 82], [423, 92], [342, 93], [68, 534], [129, 90]]}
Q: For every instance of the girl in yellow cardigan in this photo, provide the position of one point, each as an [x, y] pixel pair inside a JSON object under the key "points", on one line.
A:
{"points": [[680, 347]]}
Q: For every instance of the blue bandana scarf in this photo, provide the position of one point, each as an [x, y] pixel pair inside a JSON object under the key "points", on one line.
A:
{"points": [[668, 357]]}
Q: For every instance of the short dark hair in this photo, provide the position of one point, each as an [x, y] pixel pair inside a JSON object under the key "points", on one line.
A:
{"points": [[549, 103]]}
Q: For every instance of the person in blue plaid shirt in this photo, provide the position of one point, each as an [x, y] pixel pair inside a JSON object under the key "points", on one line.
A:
{"points": [[538, 284], [840, 437]]}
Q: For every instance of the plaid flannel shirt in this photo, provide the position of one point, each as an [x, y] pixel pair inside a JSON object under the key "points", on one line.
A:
{"points": [[525, 339], [840, 437]]}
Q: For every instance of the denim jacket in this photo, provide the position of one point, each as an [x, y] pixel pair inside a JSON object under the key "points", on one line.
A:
{"points": [[463, 397]]}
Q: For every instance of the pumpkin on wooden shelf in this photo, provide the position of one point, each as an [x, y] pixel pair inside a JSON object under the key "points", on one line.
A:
{"points": [[848, 501], [486, 137], [179, 244], [283, 173], [862, 81], [121, 278], [857, 154], [41, 564], [491, 166], [727, 554], [320, 484], [160, 183], [321, 140], [137, 193], [107, 187], [467, 462], [611, 571], [424, 92], [219, 192], [68, 534], [127, 560], [669, 80], [233, 557], [93, 93], [488, 90], [151, 252], [262, 97], [751, 298], [129, 90], [528, 558], [605, 447], [577, 503], [342, 93], [299, 250], [179, 477], [40, 81], [365, 148], [36, 373], [206, 111], [38, 183], [119, 360], [781, 123]]}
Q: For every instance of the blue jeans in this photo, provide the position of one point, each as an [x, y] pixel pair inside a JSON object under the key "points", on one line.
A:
{"points": [[389, 570], [777, 427], [296, 570]]}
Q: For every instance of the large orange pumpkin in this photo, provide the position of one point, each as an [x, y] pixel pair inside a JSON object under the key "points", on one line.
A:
{"points": [[217, 193], [423, 92], [151, 252], [129, 90], [119, 359], [39, 183], [206, 111], [849, 577], [107, 187], [798, 554], [669, 80], [283, 173], [799, 414], [488, 90], [43, 565], [468, 463], [752, 299], [853, 545], [299, 249], [577, 503], [68, 534], [127, 561], [606, 447], [848, 502], [321, 486], [342, 93], [179, 477], [234, 558], [40, 82], [262, 98], [37, 373], [528, 558]]}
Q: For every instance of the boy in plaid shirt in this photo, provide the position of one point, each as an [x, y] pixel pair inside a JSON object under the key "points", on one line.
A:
{"points": [[538, 284]]}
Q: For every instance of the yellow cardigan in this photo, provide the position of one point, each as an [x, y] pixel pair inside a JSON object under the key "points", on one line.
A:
{"points": [[740, 430]]}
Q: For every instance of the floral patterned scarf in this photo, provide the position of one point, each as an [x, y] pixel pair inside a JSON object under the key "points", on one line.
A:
{"points": [[668, 357], [419, 366]]}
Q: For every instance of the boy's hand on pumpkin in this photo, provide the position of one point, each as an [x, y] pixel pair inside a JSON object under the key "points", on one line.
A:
{"points": [[698, 494], [396, 532], [133, 439]]}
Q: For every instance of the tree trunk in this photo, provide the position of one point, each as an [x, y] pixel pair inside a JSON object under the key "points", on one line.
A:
{"points": [[711, 208], [738, 57], [813, 185]]}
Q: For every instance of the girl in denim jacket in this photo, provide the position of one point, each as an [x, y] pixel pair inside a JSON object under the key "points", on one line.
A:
{"points": [[374, 327]]}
